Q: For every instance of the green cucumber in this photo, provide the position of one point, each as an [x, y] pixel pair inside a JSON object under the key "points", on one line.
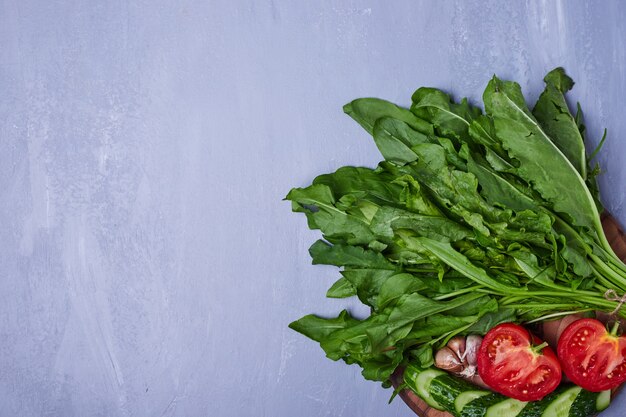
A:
{"points": [[445, 392], [419, 381], [603, 400], [466, 397], [445, 389], [584, 405], [536, 408], [562, 404], [507, 408], [478, 407], [577, 402], [568, 401]]}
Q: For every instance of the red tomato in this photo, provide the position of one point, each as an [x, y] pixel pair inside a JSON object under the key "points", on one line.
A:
{"points": [[510, 364], [591, 356]]}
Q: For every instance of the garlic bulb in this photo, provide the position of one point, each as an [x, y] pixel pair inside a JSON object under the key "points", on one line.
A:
{"points": [[459, 356]]}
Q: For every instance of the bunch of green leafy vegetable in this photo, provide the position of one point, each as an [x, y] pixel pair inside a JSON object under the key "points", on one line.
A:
{"points": [[471, 220]]}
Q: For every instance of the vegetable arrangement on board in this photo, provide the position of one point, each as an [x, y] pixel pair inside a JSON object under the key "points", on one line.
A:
{"points": [[472, 220]]}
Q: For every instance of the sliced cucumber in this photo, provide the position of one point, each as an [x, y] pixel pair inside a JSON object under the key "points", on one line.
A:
{"points": [[445, 389], [562, 404], [419, 381], [568, 401], [603, 400], [536, 408], [466, 397], [478, 407], [506, 408], [584, 405]]}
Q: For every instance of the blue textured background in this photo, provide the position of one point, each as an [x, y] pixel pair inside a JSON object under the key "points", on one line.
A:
{"points": [[148, 266]]}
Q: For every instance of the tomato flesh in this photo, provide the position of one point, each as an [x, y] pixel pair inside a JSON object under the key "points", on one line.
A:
{"points": [[510, 363], [592, 358]]}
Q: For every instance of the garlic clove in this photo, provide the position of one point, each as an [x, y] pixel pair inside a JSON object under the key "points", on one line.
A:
{"points": [[447, 360], [457, 345], [472, 344]]}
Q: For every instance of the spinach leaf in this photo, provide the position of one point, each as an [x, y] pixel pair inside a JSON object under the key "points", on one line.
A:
{"points": [[448, 118], [342, 288], [540, 161], [395, 138], [365, 111], [557, 122], [345, 255]]}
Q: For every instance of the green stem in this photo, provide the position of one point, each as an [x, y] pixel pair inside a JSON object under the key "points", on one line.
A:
{"points": [[460, 292], [616, 278], [602, 237], [607, 247], [602, 280], [542, 306], [559, 314], [489, 291], [420, 270], [615, 327], [447, 336], [563, 293], [617, 264], [537, 349], [605, 304], [505, 301], [598, 302]]}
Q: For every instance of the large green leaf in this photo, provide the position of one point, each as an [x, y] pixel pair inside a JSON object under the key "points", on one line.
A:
{"points": [[415, 306], [388, 219], [367, 282], [318, 328], [541, 163], [365, 111], [557, 122], [395, 138], [450, 119], [459, 262], [379, 186], [349, 256], [319, 205], [397, 286], [498, 190], [342, 288]]}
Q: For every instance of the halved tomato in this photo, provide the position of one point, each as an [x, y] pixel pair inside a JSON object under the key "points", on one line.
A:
{"points": [[517, 364], [591, 356]]}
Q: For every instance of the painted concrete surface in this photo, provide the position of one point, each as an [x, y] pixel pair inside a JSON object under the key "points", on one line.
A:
{"points": [[148, 265]]}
